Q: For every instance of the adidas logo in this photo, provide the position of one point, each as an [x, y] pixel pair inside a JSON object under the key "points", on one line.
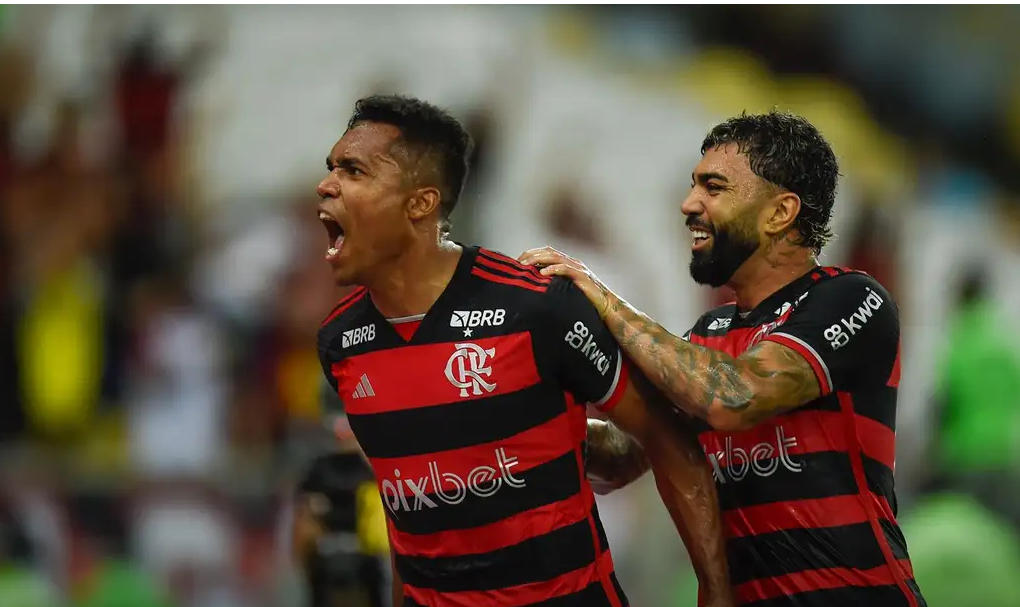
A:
{"points": [[364, 388]]}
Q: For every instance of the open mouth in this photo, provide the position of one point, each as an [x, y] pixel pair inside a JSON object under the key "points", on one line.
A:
{"points": [[701, 238], [336, 235]]}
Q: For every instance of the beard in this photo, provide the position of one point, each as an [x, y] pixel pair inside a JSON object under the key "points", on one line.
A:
{"points": [[728, 251]]}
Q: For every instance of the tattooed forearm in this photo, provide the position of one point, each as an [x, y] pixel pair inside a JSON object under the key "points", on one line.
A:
{"points": [[613, 456], [728, 392]]}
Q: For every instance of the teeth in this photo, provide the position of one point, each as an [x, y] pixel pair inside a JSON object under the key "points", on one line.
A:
{"points": [[323, 216], [332, 251], [699, 234]]}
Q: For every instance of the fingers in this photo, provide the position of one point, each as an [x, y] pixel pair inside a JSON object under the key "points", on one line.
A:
{"points": [[544, 256], [562, 269]]}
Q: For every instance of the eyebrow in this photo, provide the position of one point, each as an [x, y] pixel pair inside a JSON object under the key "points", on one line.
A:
{"points": [[703, 178], [343, 162]]}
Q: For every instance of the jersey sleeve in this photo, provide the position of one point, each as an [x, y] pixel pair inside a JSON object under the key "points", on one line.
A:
{"points": [[847, 328], [586, 359]]}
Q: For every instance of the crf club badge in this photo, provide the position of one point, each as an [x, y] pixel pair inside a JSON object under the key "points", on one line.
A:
{"points": [[468, 367]]}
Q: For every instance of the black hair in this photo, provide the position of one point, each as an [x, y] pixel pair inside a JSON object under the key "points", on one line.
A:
{"points": [[788, 152], [429, 131]]}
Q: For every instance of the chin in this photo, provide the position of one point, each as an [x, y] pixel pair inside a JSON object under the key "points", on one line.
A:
{"points": [[344, 278], [706, 273]]}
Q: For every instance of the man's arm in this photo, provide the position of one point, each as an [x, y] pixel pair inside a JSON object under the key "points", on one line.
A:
{"points": [[729, 393], [845, 321], [683, 479], [579, 353], [614, 459]]}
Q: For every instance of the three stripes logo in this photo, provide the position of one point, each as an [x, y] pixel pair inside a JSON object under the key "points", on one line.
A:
{"points": [[364, 388]]}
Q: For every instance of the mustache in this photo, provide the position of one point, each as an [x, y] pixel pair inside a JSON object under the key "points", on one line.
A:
{"points": [[695, 222]]}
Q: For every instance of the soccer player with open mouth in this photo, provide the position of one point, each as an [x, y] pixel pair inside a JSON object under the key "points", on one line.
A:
{"points": [[465, 377]]}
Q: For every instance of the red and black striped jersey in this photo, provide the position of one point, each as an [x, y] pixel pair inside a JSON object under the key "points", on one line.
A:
{"points": [[807, 497], [475, 426]]}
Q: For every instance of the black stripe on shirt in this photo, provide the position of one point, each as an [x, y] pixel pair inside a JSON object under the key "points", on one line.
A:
{"points": [[780, 553], [537, 559], [824, 474], [847, 596], [593, 595], [456, 425]]}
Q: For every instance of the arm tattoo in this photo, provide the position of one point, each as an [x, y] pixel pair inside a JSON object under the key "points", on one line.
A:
{"points": [[612, 455], [766, 380]]}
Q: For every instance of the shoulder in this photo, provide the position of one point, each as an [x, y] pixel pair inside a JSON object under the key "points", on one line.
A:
{"points": [[834, 278], [501, 278], [345, 315], [503, 271], [842, 289]]}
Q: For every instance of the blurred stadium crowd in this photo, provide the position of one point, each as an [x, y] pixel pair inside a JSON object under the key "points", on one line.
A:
{"points": [[162, 280]]}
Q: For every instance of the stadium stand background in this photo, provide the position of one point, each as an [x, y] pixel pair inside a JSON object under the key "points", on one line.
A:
{"points": [[161, 276]]}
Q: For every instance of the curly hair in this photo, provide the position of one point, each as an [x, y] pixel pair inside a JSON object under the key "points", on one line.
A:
{"points": [[788, 152], [428, 131]]}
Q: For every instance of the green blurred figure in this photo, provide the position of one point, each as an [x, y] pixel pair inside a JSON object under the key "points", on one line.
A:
{"points": [[978, 433], [114, 578], [121, 583], [963, 555], [21, 585]]}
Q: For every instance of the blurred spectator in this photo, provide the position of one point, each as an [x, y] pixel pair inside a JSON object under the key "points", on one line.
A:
{"points": [[978, 434], [21, 583], [61, 313], [178, 392], [107, 575], [146, 93], [962, 554], [873, 246]]}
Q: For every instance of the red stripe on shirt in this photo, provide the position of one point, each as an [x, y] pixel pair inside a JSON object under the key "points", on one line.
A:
{"points": [[527, 273], [801, 514], [619, 388], [509, 366], [816, 579], [735, 342], [516, 596], [509, 262], [799, 433], [494, 536], [812, 357], [846, 403], [894, 376], [516, 282], [345, 303]]}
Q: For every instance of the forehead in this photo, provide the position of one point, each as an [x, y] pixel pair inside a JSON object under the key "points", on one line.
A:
{"points": [[726, 160], [365, 141]]}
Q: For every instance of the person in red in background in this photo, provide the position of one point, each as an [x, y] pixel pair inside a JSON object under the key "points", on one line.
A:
{"points": [[793, 385], [464, 376]]}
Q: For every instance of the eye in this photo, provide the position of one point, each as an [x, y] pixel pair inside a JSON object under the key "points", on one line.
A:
{"points": [[351, 168], [714, 188]]}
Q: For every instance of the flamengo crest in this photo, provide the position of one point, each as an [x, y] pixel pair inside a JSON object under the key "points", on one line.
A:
{"points": [[467, 368]]}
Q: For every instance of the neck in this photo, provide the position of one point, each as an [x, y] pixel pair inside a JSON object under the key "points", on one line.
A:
{"points": [[412, 282], [768, 271]]}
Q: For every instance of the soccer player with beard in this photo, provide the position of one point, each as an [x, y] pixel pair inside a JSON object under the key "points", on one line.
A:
{"points": [[464, 377], [793, 385]]}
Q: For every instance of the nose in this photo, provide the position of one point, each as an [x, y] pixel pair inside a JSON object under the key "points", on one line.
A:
{"points": [[329, 187], [692, 205]]}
